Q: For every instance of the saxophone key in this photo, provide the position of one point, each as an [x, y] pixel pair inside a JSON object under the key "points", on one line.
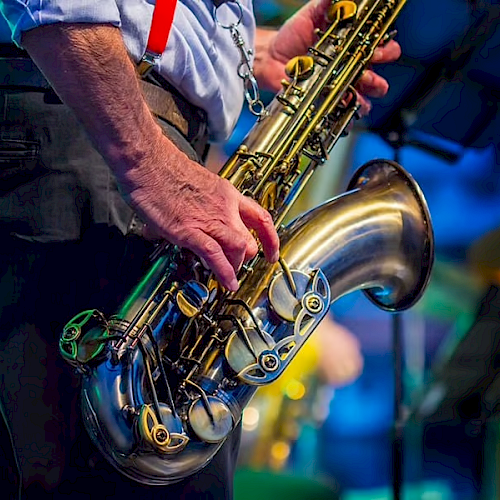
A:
{"points": [[210, 419], [160, 429], [192, 297]]}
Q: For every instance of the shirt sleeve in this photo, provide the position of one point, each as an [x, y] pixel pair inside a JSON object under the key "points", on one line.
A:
{"points": [[23, 15]]}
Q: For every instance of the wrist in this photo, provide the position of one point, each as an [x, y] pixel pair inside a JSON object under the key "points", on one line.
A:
{"points": [[145, 162]]}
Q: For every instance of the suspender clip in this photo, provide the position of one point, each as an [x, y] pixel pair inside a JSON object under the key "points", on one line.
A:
{"points": [[147, 63]]}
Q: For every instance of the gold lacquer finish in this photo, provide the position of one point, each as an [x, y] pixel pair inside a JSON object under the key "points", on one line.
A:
{"points": [[176, 365], [342, 11], [187, 308], [300, 67], [155, 434]]}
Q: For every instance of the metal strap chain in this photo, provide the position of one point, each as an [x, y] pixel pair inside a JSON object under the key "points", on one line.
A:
{"points": [[245, 69]]}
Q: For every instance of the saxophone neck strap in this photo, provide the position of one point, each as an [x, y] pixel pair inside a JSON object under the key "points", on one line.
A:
{"points": [[163, 18]]}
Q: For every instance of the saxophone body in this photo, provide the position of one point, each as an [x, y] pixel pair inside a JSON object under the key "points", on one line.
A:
{"points": [[165, 380]]}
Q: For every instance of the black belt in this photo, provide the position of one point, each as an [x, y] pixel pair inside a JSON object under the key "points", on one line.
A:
{"points": [[19, 72], [11, 50]]}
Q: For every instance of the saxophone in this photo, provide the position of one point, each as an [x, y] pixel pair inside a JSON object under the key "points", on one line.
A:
{"points": [[165, 380]]}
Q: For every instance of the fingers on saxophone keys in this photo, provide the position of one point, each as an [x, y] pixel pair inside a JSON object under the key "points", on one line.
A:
{"points": [[257, 218], [366, 105], [211, 252], [225, 252], [390, 52], [251, 248], [372, 85], [238, 245]]}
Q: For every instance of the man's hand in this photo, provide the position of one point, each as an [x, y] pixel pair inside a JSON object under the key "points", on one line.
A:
{"points": [[275, 48], [178, 199], [196, 209], [372, 85]]}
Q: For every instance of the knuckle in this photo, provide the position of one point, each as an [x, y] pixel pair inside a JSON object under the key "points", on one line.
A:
{"points": [[237, 247], [252, 250], [210, 248], [266, 218]]}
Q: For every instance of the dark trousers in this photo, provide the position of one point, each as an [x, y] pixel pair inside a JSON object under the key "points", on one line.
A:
{"points": [[46, 451]]}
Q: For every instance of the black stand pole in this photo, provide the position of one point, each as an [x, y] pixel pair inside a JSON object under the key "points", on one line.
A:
{"points": [[397, 438], [395, 139]]}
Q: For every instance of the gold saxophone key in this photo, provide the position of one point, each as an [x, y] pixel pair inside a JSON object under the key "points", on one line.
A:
{"points": [[342, 11], [300, 67]]}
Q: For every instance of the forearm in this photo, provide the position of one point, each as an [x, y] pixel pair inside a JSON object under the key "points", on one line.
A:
{"points": [[177, 198], [90, 70]]}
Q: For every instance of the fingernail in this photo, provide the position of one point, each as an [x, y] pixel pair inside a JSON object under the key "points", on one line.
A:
{"points": [[379, 53], [275, 257], [367, 77]]}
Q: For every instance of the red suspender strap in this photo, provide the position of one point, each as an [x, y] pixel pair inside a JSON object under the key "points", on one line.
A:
{"points": [[163, 17]]}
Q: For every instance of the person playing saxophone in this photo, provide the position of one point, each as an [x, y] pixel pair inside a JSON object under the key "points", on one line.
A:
{"points": [[82, 157]]}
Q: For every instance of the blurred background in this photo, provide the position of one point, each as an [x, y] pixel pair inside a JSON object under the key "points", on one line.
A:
{"points": [[327, 428]]}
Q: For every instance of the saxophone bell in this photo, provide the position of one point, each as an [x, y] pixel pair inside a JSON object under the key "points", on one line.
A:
{"points": [[408, 271]]}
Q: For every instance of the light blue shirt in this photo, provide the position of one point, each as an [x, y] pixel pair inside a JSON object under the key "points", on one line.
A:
{"points": [[200, 60]]}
